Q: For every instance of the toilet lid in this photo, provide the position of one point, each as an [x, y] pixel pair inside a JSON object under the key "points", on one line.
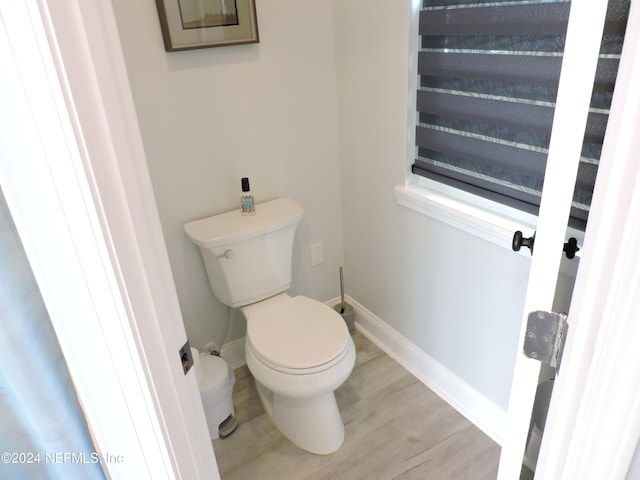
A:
{"points": [[295, 332]]}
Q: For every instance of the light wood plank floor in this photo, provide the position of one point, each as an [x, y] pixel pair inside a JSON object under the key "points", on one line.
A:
{"points": [[395, 428]]}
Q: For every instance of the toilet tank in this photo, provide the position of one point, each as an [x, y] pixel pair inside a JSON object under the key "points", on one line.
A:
{"points": [[248, 258]]}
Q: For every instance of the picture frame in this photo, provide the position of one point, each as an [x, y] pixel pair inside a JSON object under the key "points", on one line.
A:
{"points": [[191, 24]]}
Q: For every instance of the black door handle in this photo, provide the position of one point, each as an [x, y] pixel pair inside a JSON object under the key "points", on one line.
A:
{"points": [[520, 241], [570, 247]]}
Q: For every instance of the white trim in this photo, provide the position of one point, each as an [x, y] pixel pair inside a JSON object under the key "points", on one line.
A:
{"points": [[495, 223], [412, 92], [467, 213], [479, 410], [73, 172]]}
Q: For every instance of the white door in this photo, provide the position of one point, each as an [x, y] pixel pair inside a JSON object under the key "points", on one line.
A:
{"points": [[574, 94], [73, 172], [593, 427]]}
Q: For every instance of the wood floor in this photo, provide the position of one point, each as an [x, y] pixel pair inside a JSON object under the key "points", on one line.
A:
{"points": [[395, 428]]}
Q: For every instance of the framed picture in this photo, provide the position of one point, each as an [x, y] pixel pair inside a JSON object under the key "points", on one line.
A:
{"points": [[189, 24]]}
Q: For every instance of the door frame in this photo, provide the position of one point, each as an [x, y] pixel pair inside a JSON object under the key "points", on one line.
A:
{"points": [[593, 424], [74, 174], [581, 52]]}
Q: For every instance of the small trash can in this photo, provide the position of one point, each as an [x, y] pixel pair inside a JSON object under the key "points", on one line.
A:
{"points": [[215, 381]]}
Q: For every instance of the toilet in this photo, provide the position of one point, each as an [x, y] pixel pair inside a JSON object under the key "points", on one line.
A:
{"points": [[298, 349]]}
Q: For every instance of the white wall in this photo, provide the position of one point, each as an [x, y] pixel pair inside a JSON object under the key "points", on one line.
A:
{"points": [[209, 117], [456, 297]]}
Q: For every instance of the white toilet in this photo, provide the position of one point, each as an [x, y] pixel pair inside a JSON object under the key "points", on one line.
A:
{"points": [[299, 350]]}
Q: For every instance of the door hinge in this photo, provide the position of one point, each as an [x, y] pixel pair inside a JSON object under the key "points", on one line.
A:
{"points": [[545, 337]]}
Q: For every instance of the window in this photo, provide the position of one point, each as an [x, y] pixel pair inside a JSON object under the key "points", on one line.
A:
{"points": [[488, 77]]}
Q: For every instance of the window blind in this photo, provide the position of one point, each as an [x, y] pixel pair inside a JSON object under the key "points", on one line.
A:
{"points": [[488, 79]]}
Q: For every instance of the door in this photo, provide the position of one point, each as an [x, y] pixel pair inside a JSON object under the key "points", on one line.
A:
{"points": [[593, 426], [72, 169], [574, 95]]}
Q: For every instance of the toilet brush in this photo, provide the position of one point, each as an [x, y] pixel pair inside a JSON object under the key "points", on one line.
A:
{"points": [[341, 291]]}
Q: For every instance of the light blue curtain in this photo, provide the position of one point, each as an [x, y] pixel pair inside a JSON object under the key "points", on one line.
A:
{"points": [[43, 432]]}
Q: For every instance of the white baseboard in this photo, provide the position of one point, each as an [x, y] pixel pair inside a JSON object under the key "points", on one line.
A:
{"points": [[479, 410]]}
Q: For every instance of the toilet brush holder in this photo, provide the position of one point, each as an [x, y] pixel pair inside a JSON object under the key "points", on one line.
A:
{"points": [[343, 308], [348, 315]]}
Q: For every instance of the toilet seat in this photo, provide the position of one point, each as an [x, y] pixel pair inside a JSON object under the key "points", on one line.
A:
{"points": [[296, 335]]}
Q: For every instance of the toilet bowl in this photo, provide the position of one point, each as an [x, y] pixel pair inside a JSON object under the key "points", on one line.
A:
{"points": [[296, 373], [298, 349]]}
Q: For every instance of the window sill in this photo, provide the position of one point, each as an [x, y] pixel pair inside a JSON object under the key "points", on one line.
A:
{"points": [[484, 219]]}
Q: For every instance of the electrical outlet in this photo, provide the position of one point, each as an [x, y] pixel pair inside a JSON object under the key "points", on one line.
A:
{"points": [[317, 257]]}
